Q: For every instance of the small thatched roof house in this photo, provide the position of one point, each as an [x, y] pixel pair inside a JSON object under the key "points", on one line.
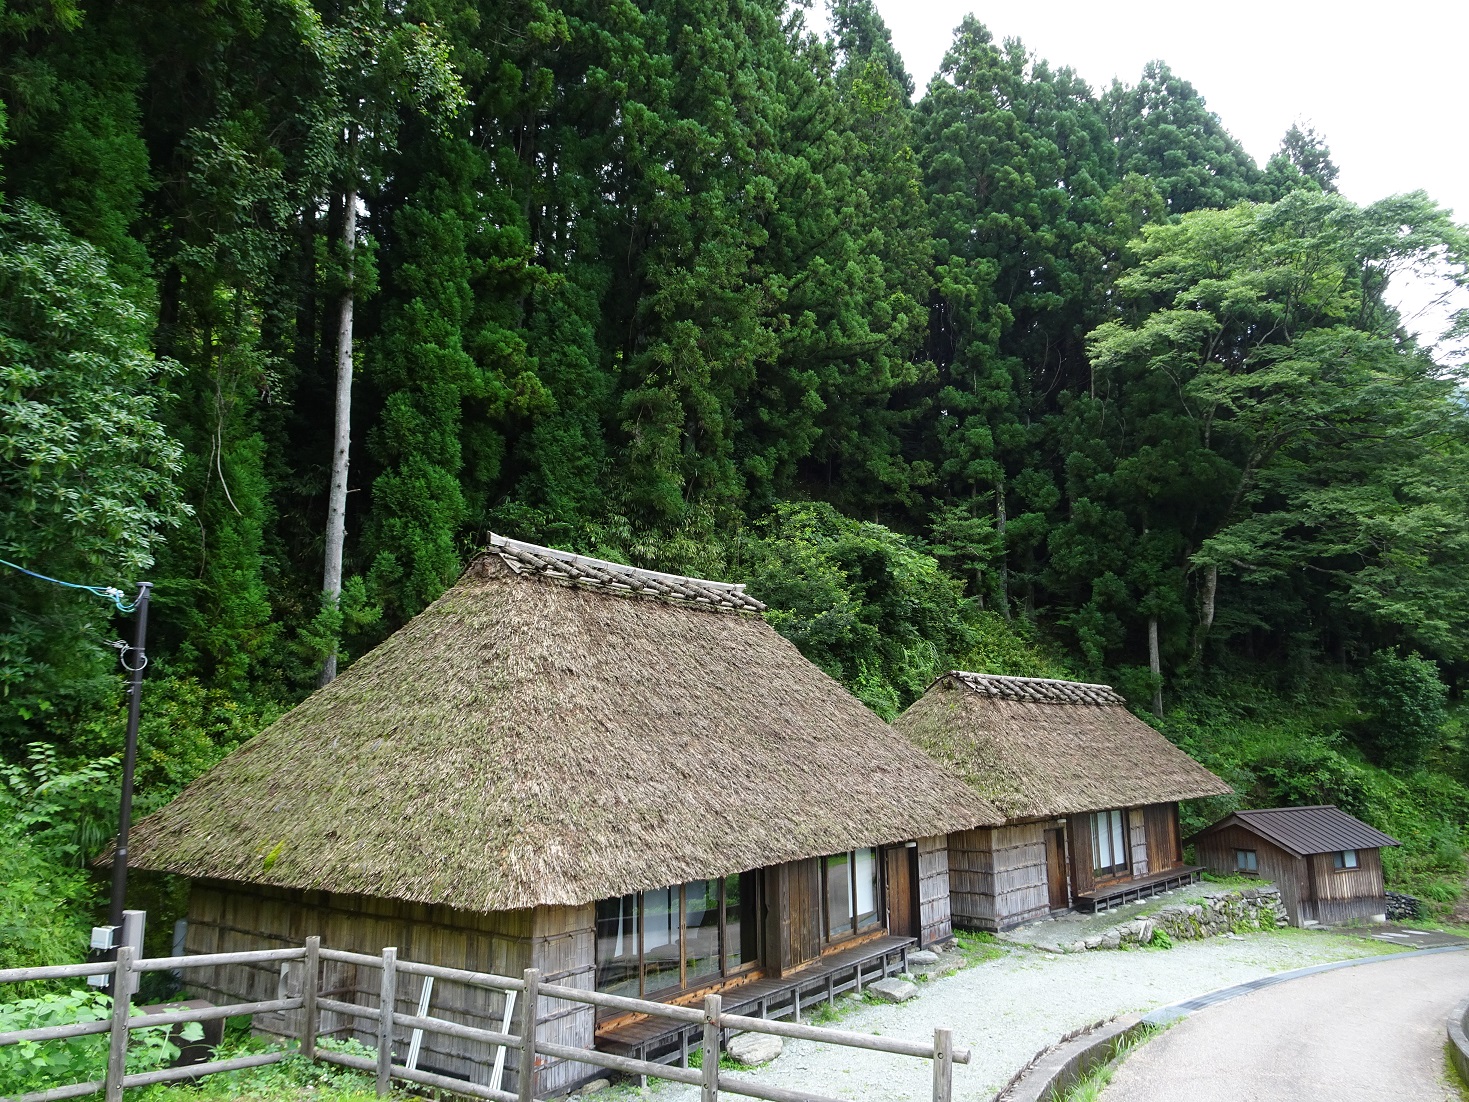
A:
{"points": [[1327, 864], [1090, 793], [626, 778]]}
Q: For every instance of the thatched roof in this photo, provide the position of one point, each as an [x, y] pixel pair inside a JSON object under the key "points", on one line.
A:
{"points": [[558, 730], [1035, 747], [1320, 828]]}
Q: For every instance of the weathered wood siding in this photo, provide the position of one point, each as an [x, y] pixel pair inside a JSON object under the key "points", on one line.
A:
{"points": [[564, 948], [792, 915], [1164, 848], [1342, 894], [997, 876], [1079, 843], [231, 917], [935, 918], [1287, 872], [1137, 838]]}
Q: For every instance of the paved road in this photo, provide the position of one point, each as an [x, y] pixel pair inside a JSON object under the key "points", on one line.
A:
{"points": [[1371, 1033]]}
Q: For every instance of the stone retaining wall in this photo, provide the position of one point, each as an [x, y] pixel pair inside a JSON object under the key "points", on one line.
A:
{"points": [[1227, 912]]}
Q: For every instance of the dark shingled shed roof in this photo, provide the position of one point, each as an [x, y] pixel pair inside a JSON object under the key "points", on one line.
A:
{"points": [[555, 730], [1037, 747], [1322, 828]]}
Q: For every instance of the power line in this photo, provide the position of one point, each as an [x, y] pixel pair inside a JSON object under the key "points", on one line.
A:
{"points": [[107, 592]]}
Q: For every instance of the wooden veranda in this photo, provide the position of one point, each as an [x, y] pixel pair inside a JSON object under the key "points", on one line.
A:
{"points": [[660, 1041]]}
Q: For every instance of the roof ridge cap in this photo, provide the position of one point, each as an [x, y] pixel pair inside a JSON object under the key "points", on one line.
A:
{"points": [[1053, 690], [523, 557]]}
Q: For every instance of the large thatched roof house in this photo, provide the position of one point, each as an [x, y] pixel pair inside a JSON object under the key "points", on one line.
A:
{"points": [[624, 778], [1089, 791]]}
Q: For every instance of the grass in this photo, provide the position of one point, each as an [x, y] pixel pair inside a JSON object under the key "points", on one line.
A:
{"points": [[1451, 1073], [294, 1079], [1090, 1086]]}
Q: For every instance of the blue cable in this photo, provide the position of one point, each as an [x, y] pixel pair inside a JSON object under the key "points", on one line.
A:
{"points": [[107, 592]]}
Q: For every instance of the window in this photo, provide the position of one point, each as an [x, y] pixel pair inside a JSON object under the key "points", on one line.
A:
{"points": [[678, 937], [1246, 860], [1109, 842], [850, 888], [1345, 859]]}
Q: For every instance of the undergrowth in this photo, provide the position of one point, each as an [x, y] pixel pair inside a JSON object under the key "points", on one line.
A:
{"points": [[1089, 1087], [1315, 741]]}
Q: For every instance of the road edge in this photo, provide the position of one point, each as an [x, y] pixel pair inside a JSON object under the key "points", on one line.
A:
{"points": [[1057, 1069]]}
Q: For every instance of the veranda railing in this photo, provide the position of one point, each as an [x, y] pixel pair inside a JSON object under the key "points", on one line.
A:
{"points": [[528, 990]]}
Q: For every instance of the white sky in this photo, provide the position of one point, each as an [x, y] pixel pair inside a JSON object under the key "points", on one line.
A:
{"points": [[1382, 83]]}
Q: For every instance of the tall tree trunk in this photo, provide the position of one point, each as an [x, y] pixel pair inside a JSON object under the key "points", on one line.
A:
{"points": [[1206, 610], [1155, 665], [336, 511], [1004, 554]]}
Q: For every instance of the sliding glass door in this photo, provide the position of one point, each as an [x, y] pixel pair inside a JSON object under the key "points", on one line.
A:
{"points": [[677, 938]]}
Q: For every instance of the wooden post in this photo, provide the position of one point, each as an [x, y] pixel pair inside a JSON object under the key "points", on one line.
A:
{"points": [[943, 1065], [530, 1011], [710, 1090], [117, 1046], [387, 998], [310, 983]]}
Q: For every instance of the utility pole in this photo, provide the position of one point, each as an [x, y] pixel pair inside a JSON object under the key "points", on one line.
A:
{"points": [[134, 667]]}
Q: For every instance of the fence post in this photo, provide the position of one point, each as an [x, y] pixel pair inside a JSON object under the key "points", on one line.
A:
{"points": [[943, 1065], [310, 981], [710, 1092], [117, 1046], [529, 1012], [387, 998]]}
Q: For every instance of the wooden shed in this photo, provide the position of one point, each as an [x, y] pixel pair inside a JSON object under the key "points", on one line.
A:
{"points": [[1327, 864], [1089, 792], [623, 778]]}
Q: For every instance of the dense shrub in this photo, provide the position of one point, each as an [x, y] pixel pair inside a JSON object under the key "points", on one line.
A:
{"points": [[1406, 697]]}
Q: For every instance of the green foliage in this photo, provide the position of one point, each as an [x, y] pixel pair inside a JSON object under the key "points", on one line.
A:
{"points": [[1161, 940], [1408, 715], [1009, 378], [861, 602], [43, 910], [39, 1065]]}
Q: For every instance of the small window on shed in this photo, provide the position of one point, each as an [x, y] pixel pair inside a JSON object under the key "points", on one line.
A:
{"points": [[1246, 860], [1345, 859]]}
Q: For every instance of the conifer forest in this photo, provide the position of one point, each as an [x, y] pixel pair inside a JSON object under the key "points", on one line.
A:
{"points": [[301, 299]]}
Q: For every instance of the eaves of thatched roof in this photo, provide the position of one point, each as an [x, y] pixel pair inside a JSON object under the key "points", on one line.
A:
{"points": [[1035, 747], [553, 731]]}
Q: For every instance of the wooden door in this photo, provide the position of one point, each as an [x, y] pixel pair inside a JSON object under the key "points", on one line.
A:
{"points": [[1056, 869], [902, 882]]}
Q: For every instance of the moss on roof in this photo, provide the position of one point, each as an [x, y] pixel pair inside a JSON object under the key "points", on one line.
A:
{"points": [[1034, 747], [530, 739]]}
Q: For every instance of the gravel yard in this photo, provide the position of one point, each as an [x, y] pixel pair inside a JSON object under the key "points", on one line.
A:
{"points": [[1006, 1010]]}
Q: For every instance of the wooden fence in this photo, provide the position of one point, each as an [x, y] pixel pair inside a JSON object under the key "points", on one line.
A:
{"points": [[528, 990]]}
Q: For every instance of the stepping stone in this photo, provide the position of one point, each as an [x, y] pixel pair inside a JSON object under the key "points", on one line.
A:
{"points": [[754, 1048], [922, 957], [893, 990]]}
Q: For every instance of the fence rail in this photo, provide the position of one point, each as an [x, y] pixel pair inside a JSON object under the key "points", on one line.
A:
{"points": [[710, 1078]]}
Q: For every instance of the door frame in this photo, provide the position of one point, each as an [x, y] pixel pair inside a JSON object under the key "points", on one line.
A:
{"points": [[1056, 837]]}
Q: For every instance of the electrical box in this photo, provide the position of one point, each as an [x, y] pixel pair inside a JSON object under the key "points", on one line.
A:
{"points": [[104, 937]]}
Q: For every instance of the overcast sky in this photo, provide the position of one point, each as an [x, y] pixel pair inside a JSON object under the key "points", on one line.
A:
{"points": [[1383, 83]]}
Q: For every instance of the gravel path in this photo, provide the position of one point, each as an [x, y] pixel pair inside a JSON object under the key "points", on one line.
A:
{"points": [[1008, 1009]]}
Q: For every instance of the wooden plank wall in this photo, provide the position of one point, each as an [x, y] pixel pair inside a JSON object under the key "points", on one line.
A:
{"points": [[564, 948], [232, 917], [997, 876], [1287, 872], [792, 915], [1079, 843], [934, 917], [1137, 832], [1340, 894], [1164, 850]]}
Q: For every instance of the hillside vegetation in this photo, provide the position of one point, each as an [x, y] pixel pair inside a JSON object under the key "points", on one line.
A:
{"points": [[1007, 373]]}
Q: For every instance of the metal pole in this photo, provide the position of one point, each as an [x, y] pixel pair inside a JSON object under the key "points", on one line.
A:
{"points": [[134, 667]]}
